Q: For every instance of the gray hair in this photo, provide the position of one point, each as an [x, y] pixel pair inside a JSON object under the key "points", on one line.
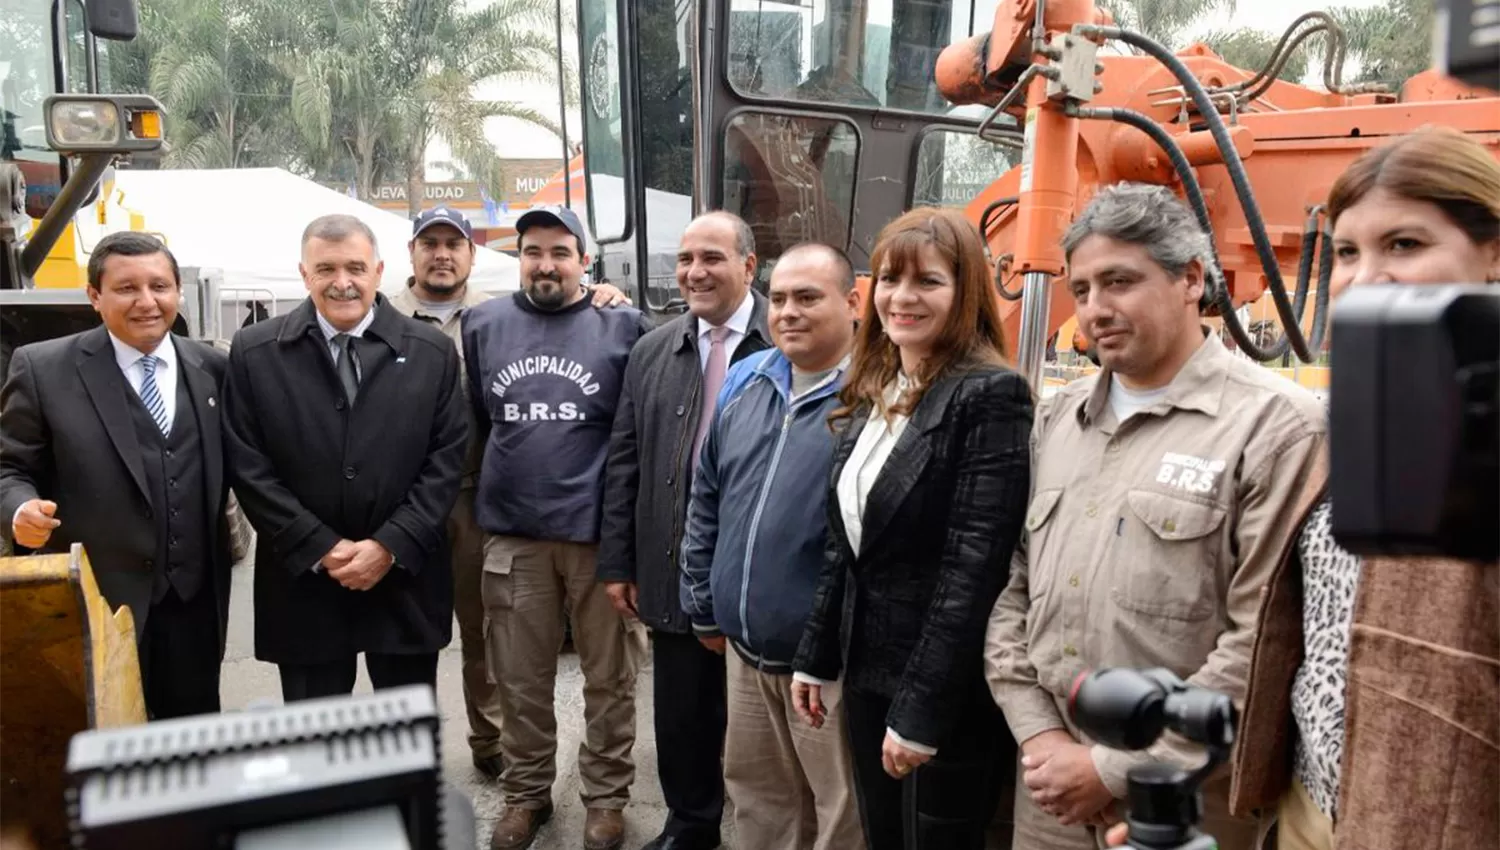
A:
{"points": [[337, 228], [1152, 217], [744, 237]]}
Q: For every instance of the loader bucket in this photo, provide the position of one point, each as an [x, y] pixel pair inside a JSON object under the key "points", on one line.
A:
{"points": [[67, 663]]}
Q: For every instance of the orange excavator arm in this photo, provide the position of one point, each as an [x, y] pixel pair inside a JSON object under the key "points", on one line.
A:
{"points": [[1085, 117]]}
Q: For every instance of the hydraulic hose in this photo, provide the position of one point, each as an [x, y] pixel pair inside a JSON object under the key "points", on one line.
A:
{"points": [[1213, 275], [1237, 176], [1332, 62], [994, 207], [1304, 277]]}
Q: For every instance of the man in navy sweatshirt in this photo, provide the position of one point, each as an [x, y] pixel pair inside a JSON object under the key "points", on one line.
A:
{"points": [[545, 369]]}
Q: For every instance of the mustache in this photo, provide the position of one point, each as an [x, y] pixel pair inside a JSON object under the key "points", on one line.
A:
{"points": [[336, 293], [555, 277]]}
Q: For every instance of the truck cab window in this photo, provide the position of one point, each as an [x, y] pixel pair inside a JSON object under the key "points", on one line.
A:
{"points": [[792, 179], [953, 167], [874, 53]]}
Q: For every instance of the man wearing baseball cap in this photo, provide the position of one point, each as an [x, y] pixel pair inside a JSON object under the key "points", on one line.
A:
{"points": [[438, 292], [545, 369]]}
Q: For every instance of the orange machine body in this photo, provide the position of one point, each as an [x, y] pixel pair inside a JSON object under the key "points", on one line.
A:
{"points": [[1293, 140]]}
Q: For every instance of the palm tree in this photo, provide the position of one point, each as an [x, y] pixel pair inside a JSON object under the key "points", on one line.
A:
{"points": [[1164, 21], [1390, 42], [204, 61], [445, 53], [336, 61], [1250, 49]]}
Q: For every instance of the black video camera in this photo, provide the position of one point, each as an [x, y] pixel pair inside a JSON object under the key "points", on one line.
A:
{"points": [[1414, 421], [1129, 710]]}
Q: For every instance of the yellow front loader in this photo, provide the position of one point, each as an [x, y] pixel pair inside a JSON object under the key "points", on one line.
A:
{"points": [[66, 664]]}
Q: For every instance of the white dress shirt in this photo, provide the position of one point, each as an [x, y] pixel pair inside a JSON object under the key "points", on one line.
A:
{"points": [[133, 366], [329, 332], [871, 451], [739, 326]]}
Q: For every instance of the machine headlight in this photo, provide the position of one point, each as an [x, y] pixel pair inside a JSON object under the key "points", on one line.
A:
{"points": [[103, 123]]}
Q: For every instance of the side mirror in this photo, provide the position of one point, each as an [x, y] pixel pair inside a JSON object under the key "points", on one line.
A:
{"points": [[115, 20]]}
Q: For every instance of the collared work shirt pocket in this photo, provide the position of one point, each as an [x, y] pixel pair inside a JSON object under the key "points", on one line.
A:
{"points": [[1175, 575], [1039, 525]]}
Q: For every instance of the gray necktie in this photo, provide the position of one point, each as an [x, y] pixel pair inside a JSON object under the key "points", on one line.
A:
{"points": [[345, 366]]}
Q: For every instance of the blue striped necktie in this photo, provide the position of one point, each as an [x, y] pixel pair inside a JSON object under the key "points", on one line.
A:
{"points": [[151, 393]]}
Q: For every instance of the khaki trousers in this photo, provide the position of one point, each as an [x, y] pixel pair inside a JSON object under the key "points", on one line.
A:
{"points": [[529, 587], [792, 785], [1300, 824], [481, 697], [1037, 830]]}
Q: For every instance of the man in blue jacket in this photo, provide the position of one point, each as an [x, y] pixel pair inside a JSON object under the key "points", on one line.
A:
{"points": [[753, 550]]}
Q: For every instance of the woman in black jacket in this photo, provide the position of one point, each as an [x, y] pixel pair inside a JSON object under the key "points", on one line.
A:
{"points": [[929, 489]]}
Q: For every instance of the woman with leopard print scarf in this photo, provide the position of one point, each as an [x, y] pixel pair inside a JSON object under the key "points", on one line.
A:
{"points": [[1372, 718]]}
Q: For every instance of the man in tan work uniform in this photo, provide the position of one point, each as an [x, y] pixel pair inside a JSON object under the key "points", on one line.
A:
{"points": [[442, 256], [1163, 491]]}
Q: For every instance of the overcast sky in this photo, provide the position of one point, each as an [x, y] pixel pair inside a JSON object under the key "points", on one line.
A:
{"points": [[519, 140]]}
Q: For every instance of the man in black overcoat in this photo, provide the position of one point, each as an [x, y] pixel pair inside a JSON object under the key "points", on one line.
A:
{"points": [[345, 438]]}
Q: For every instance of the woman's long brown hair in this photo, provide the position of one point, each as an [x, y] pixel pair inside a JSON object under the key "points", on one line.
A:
{"points": [[972, 334]]}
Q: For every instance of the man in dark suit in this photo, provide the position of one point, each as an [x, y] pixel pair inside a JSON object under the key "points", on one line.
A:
{"points": [[110, 438], [666, 403], [345, 435]]}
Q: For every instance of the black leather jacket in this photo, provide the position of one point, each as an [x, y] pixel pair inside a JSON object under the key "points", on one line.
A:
{"points": [[905, 617]]}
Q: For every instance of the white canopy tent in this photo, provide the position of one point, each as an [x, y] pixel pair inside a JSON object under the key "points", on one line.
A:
{"points": [[247, 223]]}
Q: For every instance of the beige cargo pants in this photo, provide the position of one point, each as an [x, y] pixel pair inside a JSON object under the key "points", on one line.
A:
{"points": [[481, 697], [529, 586], [792, 785]]}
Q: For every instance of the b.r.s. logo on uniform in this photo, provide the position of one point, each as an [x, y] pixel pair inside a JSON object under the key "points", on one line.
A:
{"points": [[538, 412], [1189, 474]]}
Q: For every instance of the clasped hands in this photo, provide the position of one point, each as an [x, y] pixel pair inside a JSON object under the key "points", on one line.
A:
{"points": [[1060, 775], [358, 565]]}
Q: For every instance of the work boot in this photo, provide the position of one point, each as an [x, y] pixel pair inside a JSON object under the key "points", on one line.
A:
{"points": [[518, 827], [603, 829]]}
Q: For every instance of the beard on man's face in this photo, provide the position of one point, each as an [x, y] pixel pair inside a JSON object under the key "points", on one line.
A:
{"points": [[546, 290], [444, 287]]}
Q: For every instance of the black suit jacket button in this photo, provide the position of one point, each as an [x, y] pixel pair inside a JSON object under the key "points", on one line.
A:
{"points": [[349, 473], [339, 405], [148, 513], [150, 564]]}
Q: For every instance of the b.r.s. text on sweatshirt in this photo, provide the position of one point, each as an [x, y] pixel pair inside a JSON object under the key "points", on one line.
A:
{"points": [[546, 382]]}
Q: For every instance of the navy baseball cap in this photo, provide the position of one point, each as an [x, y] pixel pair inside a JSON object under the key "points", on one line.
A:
{"points": [[551, 216], [443, 215]]}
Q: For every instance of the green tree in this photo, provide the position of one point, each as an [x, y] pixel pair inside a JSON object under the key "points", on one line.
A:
{"points": [[441, 53], [1165, 21], [340, 90], [204, 60], [1391, 42], [1251, 49], [337, 90]]}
